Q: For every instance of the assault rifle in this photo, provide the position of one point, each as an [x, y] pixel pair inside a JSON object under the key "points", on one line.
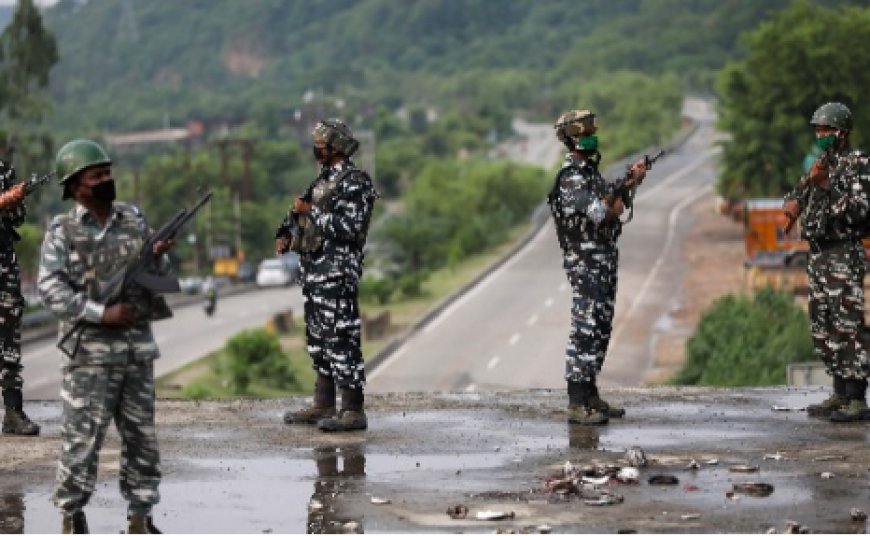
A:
{"points": [[826, 160], [32, 184], [138, 271], [621, 187]]}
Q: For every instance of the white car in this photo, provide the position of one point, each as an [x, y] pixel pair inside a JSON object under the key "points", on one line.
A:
{"points": [[274, 273]]}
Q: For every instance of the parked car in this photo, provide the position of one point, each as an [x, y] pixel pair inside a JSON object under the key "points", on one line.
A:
{"points": [[274, 272]]}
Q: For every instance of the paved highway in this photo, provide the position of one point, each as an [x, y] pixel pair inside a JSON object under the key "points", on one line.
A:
{"points": [[189, 335], [510, 331]]}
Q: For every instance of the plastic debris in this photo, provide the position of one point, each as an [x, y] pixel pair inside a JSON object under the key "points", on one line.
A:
{"points": [[636, 457], [741, 468], [754, 489], [493, 515], [604, 500], [693, 465], [689, 517], [857, 514], [628, 475], [787, 408], [378, 500], [712, 461], [544, 529], [827, 475], [830, 458], [459, 511], [351, 527], [663, 480], [595, 481], [776, 457]]}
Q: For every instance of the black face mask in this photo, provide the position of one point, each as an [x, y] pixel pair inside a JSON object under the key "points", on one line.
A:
{"points": [[104, 191], [321, 155]]}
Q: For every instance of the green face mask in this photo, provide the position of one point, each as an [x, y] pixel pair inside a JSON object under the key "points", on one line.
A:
{"points": [[826, 142], [587, 143]]}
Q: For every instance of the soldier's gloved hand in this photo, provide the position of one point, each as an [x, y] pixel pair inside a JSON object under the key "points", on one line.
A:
{"points": [[791, 208], [615, 208], [638, 171], [163, 246], [819, 175], [119, 315], [300, 206], [282, 245], [12, 196]]}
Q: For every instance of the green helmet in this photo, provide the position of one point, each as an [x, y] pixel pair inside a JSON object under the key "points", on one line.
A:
{"points": [[336, 135], [833, 114]]}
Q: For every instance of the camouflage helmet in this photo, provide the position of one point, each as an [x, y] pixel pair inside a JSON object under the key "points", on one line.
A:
{"points": [[336, 135], [574, 124], [833, 114]]}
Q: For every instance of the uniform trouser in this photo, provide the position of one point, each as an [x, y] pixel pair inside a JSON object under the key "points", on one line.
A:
{"points": [[836, 306], [11, 309], [92, 397], [593, 278], [332, 330]]}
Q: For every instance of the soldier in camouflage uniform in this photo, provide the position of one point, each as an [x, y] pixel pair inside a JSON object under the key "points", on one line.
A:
{"points": [[332, 219], [108, 370], [587, 222], [833, 203], [12, 213]]}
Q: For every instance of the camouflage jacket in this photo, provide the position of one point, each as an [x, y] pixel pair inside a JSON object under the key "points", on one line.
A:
{"points": [[11, 217], [578, 207], [842, 210], [76, 254], [341, 214]]}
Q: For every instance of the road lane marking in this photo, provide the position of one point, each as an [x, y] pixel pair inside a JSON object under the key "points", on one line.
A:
{"points": [[514, 338], [640, 295], [548, 302], [493, 362], [533, 320]]}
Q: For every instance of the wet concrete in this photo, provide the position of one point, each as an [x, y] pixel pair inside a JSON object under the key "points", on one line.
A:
{"points": [[233, 466]]}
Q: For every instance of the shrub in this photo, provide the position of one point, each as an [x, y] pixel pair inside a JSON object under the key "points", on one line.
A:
{"points": [[411, 284], [196, 391], [255, 356], [743, 340], [379, 290]]}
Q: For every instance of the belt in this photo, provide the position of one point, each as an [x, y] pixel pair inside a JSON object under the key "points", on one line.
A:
{"points": [[819, 246]]}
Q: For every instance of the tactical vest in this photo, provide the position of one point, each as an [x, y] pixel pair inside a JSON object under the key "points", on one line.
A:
{"points": [[584, 232], [305, 236], [90, 268]]}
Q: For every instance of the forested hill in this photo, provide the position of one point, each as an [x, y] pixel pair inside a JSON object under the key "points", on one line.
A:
{"points": [[130, 64]]}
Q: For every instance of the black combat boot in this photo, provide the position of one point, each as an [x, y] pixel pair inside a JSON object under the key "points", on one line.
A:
{"points": [[837, 400], [856, 410], [352, 415], [580, 408], [323, 406], [141, 524], [75, 523], [15, 421], [601, 405]]}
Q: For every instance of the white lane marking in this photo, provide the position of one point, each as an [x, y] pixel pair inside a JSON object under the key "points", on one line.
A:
{"points": [[493, 362], [483, 284], [514, 338], [533, 320], [548, 302], [639, 297]]}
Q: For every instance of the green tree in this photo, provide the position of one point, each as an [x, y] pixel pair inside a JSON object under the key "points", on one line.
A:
{"points": [[805, 56]]}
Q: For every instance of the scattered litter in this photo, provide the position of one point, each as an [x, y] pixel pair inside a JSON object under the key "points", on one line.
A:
{"points": [[712, 461], [776, 457], [636, 457], [771, 530], [544, 529], [663, 480], [459, 511], [693, 465], [787, 408], [691, 487], [829, 458], [628, 475], [315, 506], [754, 489], [743, 468], [595, 481], [732, 496], [858, 515], [563, 486], [351, 527], [792, 527], [689, 517], [568, 469], [827, 475], [604, 500], [378, 500], [493, 515]]}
